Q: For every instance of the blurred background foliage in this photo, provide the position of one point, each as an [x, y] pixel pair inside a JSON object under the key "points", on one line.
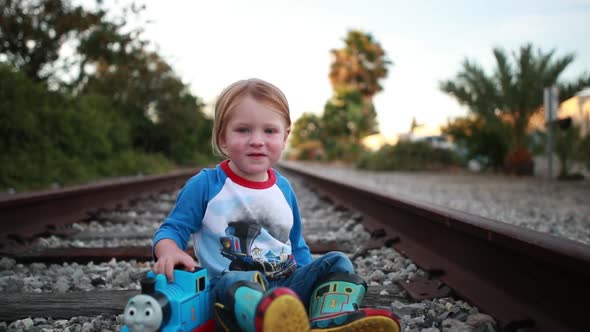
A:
{"points": [[349, 115], [84, 96], [499, 128], [113, 107], [497, 133], [410, 156]]}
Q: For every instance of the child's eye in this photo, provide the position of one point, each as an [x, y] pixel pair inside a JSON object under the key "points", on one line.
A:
{"points": [[242, 130], [270, 130]]}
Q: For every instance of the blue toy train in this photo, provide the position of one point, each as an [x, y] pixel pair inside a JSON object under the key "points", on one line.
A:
{"points": [[182, 305]]}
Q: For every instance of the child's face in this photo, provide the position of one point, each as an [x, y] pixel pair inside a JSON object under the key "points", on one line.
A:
{"points": [[253, 139]]}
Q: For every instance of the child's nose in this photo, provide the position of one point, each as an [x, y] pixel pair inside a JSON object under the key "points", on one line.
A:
{"points": [[256, 139]]}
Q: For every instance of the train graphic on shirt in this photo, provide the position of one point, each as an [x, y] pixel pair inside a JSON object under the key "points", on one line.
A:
{"points": [[237, 246], [182, 305]]}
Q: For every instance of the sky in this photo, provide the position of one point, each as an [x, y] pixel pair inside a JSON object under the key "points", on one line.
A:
{"points": [[211, 44]]}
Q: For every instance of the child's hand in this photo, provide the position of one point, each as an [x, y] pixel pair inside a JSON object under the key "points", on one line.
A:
{"points": [[169, 257]]}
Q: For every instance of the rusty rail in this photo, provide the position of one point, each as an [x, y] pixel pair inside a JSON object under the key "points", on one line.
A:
{"points": [[528, 281], [30, 214], [99, 255]]}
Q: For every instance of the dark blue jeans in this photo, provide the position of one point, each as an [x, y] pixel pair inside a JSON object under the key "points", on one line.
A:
{"points": [[301, 281]]}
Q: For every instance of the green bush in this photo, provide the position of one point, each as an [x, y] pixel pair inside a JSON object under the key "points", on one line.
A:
{"points": [[480, 139], [132, 162], [23, 171], [47, 138], [408, 156]]}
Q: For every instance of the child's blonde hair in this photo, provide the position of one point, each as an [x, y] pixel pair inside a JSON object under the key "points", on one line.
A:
{"points": [[261, 91]]}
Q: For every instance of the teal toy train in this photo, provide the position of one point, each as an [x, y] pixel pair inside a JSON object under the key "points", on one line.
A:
{"points": [[182, 305]]}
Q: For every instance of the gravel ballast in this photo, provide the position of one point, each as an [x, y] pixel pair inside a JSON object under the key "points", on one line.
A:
{"points": [[559, 208]]}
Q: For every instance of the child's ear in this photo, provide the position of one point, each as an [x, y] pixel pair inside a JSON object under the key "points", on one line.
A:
{"points": [[287, 132], [222, 145]]}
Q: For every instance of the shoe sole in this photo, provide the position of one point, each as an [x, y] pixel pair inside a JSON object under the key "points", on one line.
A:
{"points": [[283, 312], [366, 324]]}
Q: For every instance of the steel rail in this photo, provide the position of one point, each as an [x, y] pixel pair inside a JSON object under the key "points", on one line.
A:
{"points": [[526, 280], [105, 254], [29, 214]]}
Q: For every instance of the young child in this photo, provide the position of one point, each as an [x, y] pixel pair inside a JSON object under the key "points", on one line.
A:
{"points": [[246, 229]]}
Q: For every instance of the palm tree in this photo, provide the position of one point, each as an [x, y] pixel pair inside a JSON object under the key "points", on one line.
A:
{"points": [[513, 93], [359, 65], [355, 74]]}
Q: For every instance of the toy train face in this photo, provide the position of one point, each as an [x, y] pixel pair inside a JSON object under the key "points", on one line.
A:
{"points": [[145, 313], [165, 307]]}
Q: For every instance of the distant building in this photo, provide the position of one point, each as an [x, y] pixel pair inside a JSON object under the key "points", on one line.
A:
{"points": [[431, 135], [376, 141], [438, 141], [577, 108]]}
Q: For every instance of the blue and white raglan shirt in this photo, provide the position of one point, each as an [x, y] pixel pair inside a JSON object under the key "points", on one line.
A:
{"points": [[237, 224]]}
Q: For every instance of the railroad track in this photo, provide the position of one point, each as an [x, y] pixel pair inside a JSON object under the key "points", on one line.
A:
{"points": [[28, 215], [20, 243], [524, 279]]}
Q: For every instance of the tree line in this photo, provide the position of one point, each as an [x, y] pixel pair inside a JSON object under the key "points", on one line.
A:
{"points": [[114, 106], [497, 130], [502, 103]]}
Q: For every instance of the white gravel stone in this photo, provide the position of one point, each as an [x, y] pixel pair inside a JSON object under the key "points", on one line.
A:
{"points": [[559, 208]]}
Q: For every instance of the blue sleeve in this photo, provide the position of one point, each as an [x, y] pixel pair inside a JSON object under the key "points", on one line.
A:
{"points": [[298, 246], [187, 215]]}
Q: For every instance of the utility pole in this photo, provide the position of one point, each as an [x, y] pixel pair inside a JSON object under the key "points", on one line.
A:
{"points": [[551, 103]]}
